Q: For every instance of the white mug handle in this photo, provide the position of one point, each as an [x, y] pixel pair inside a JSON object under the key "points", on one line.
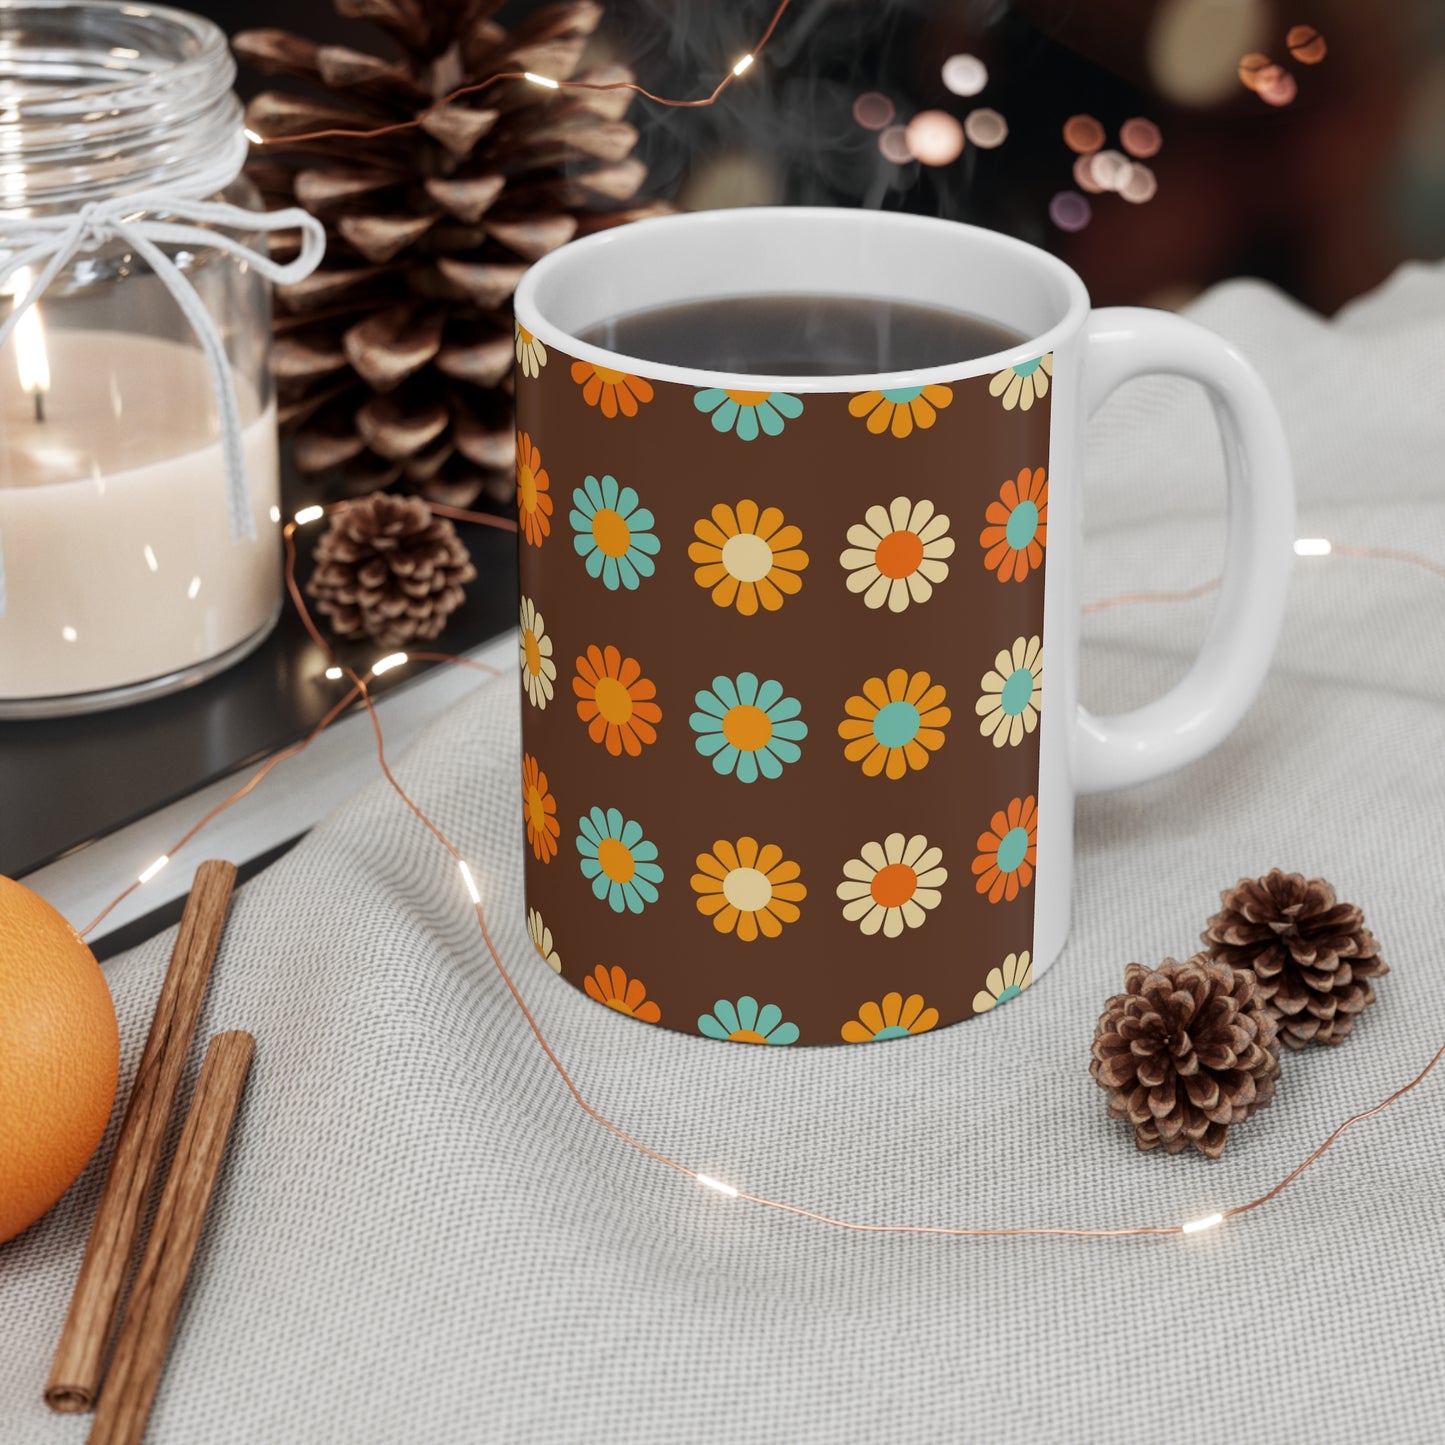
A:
{"points": [[1198, 712]]}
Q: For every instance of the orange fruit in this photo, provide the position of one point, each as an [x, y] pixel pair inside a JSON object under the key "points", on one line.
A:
{"points": [[59, 1056]]}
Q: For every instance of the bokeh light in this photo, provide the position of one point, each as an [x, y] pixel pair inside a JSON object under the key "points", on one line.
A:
{"points": [[1306, 44], [1194, 46], [985, 128], [1140, 137], [934, 137], [1278, 87], [964, 74], [1252, 66], [872, 110], [1070, 211], [1084, 175], [1109, 169], [1139, 185], [893, 142], [1083, 134]]}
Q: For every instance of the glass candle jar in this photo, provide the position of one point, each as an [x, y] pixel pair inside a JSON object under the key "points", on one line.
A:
{"points": [[130, 567]]}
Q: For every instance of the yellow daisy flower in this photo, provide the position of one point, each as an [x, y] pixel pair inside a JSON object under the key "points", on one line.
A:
{"points": [[539, 671], [895, 724], [1012, 689], [541, 937], [1022, 385], [893, 1018], [902, 409], [531, 354], [897, 553], [748, 557], [747, 889], [1003, 984], [892, 885]]}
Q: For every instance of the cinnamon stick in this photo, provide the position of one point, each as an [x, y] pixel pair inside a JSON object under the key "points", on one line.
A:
{"points": [[155, 1298], [79, 1362]]}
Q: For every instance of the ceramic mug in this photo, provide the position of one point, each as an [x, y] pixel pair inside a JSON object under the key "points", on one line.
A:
{"points": [[800, 730]]}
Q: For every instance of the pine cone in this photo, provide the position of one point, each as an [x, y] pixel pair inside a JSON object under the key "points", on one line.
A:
{"points": [[1313, 957], [1185, 1051], [394, 360], [388, 570]]}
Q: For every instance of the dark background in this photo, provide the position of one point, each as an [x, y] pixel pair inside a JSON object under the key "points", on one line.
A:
{"points": [[1323, 196]]}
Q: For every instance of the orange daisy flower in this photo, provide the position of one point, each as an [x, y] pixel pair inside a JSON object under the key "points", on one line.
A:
{"points": [[627, 995], [539, 808], [610, 391], [534, 504], [1008, 852], [615, 701], [1018, 526]]}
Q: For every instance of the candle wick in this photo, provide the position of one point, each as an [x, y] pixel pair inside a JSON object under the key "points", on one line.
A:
{"points": [[39, 404]]}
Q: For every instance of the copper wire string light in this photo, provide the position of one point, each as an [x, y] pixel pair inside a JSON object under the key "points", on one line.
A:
{"points": [[360, 690], [546, 82]]}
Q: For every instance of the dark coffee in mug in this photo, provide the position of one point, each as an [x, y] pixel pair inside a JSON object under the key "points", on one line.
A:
{"points": [[802, 335]]}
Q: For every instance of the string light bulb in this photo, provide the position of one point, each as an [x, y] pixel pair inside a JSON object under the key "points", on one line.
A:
{"points": [[148, 873], [309, 514], [469, 880], [1313, 547], [333, 674], [708, 1182], [1197, 1226], [543, 80], [256, 140], [385, 664], [743, 64]]}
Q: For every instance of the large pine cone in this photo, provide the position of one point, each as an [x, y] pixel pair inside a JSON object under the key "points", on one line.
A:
{"points": [[394, 359], [1185, 1051], [1313, 956], [388, 570]]}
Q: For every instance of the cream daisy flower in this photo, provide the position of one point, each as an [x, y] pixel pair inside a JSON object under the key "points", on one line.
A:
{"points": [[541, 937], [1003, 984], [539, 672], [1022, 385], [531, 354], [897, 553], [1012, 688], [892, 884]]}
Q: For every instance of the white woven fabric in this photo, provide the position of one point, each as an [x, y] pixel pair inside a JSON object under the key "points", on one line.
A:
{"points": [[419, 1237]]}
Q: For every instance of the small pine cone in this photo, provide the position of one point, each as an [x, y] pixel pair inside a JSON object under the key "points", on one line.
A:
{"points": [[1313, 957], [388, 570], [1185, 1051]]}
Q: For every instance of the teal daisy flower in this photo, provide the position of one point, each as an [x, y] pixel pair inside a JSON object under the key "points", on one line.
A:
{"points": [[748, 728], [744, 1022], [618, 861], [746, 412], [614, 533]]}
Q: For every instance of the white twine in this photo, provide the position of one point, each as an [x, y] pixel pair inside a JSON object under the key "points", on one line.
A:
{"points": [[52, 242]]}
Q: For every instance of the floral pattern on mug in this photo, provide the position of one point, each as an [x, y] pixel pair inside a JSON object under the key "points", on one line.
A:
{"points": [[748, 557], [744, 1022], [539, 672], [613, 393], [614, 534], [748, 413], [1017, 530], [534, 502], [893, 1017], [901, 409], [749, 729], [896, 554], [531, 354], [892, 885], [1005, 983], [539, 808], [1008, 852], [895, 723], [1012, 692], [619, 862], [541, 937], [748, 889], [612, 987], [616, 701], [1022, 385]]}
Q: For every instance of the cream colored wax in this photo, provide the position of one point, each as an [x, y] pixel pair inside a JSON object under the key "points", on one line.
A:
{"points": [[114, 523]]}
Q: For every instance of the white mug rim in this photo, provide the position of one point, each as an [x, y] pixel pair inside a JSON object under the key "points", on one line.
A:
{"points": [[614, 241]]}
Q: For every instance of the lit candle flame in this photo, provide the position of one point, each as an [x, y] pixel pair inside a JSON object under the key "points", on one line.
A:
{"points": [[30, 356]]}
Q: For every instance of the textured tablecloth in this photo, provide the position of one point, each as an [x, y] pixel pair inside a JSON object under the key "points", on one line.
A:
{"points": [[419, 1238]]}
